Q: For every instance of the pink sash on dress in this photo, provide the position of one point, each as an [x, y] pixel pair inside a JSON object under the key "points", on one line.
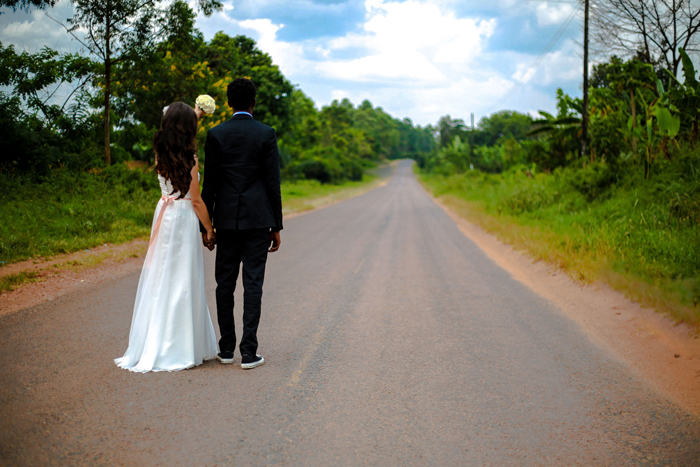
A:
{"points": [[156, 228]]}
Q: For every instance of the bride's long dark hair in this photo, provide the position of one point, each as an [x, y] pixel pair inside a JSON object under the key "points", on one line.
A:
{"points": [[175, 145]]}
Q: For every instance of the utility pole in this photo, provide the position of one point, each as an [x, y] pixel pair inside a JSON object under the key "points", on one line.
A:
{"points": [[584, 117], [472, 129], [471, 166]]}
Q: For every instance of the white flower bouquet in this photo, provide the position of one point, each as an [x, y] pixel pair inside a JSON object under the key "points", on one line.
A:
{"points": [[206, 103]]}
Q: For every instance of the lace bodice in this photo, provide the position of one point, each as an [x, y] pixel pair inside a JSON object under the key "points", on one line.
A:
{"points": [[166, 188]]}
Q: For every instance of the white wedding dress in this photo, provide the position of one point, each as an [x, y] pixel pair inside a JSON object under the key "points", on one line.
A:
{"points": [[171, 328]]}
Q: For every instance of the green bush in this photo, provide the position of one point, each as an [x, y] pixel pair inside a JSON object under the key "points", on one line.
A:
{"points": [[530, 198], [593, 180], [72, 210]]}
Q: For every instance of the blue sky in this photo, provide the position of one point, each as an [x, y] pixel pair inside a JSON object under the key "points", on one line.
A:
{"points": [[419, 59]]}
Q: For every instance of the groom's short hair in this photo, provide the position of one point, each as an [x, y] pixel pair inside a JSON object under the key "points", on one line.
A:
{"points": [[241, 93]]}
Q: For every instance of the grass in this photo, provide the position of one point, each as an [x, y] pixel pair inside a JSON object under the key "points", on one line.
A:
{"points": [[304, 195], [74, 211], [11, 281], [640, 236], [77, 211]]}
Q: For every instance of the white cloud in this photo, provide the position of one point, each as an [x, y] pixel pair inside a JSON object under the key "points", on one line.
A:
{"points": [[409, 44], [406, 66], [427, 29], [419, 59], [410, 41], [286, 55], [339, 94], [460, 98], [553, 14], [561, 65], [32, 31]]}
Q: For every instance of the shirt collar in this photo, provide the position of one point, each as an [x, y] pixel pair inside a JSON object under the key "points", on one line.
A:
{"points": [[242, 112]]}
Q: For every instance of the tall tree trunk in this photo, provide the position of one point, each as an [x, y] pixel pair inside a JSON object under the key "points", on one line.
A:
{"points": [[647, 53], [108, 89], [674, 46]]}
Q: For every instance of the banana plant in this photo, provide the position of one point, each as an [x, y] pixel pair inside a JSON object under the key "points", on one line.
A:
{"points": [[686, 95], [561, 127], [668, 122]]}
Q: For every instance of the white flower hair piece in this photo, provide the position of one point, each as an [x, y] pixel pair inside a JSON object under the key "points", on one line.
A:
{"points": [[165, 109], [206, 103]]}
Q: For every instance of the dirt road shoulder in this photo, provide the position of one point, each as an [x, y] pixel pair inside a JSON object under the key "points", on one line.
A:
{"points": [[660, 352], [68, 273]]}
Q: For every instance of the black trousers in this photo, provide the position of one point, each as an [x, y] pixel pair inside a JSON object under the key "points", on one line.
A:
{"points": [[234, 247]]}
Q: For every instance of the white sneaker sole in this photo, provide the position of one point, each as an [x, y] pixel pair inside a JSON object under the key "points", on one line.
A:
{"points": [[225, 361], [249, 366]]}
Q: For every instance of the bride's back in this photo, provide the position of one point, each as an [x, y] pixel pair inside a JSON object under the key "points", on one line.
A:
{"points": [[166, 188]]}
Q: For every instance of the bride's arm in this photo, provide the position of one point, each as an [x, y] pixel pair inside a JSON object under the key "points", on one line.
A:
{"points": [[198, 112], [199, 207]]}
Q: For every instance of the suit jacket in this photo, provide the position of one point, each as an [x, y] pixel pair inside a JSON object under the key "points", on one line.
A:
{"points": [[242, 175]]}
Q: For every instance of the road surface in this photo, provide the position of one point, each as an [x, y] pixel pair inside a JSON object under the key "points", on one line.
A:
{"points": [[390, 339]]}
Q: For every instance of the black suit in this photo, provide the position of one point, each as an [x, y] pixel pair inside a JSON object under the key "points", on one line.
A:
{"points": [[242, 194], [242, 175]]}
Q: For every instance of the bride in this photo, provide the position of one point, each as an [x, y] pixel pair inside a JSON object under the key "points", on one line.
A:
{"points": [[171, 328]]}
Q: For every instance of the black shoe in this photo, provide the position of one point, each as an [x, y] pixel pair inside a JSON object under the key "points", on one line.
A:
{"points": [[225, 356], [248, 362]]}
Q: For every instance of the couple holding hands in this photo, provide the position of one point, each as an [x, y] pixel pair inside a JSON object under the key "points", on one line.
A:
{"points": [[171, 328]]}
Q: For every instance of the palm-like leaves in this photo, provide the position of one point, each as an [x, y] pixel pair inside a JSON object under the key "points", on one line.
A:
{"points": [[686, 95], [561, 127]]}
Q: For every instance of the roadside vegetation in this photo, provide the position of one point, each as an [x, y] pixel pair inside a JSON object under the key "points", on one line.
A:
{"points": [[81, 210], [9, 282], [627, 211]]}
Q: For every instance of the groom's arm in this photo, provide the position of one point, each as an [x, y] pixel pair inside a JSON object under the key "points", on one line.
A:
{"points": [[212, 156], [272, 178]]}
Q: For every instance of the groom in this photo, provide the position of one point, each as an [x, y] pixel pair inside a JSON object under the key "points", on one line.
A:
{"points": [[242, 193]]}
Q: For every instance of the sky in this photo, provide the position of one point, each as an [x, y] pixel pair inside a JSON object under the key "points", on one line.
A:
{"points": [[419, 59]]}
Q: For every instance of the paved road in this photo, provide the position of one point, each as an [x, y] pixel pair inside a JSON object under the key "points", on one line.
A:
{"points": [[391, 339]]}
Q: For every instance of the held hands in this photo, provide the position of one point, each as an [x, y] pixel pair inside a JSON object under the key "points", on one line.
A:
{"points": [[209, 240], [275, 242]]}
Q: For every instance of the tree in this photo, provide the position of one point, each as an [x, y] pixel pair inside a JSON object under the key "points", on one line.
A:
{"points": [[502, 125], [381, 129], [35, 78], [119, 29], [175, 69], [37, 131], [447, 129], [27, 5], [650, 30], [239, 56]]}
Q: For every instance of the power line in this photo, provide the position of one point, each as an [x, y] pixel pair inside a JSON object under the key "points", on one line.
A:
{"points": [[537, 62]]}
